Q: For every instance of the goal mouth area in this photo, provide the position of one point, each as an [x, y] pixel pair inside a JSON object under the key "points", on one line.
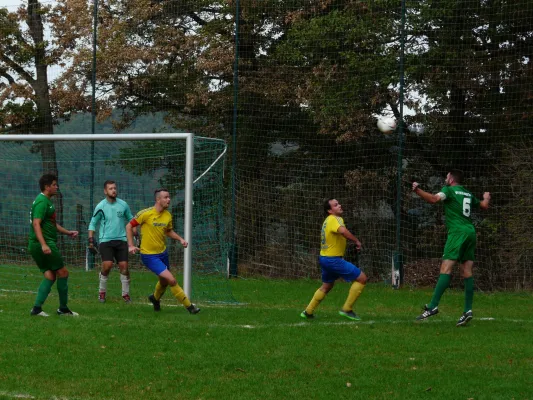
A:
{"points": [[190, 167]]}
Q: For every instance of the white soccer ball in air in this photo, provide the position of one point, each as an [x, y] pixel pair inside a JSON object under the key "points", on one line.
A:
{"points": [[386, 124]]}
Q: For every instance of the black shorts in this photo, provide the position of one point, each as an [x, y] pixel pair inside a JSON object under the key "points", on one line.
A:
{"points": [[114, 250]]}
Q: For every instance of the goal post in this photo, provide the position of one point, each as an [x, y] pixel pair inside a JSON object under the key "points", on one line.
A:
{"points": [[154, 159]]}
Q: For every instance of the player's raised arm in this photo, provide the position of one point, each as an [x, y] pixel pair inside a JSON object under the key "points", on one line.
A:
{"points": [[428, 197], [484, 204]]}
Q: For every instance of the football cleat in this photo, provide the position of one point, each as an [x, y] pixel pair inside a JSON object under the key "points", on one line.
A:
{"points": [[38, 311], [126, 298], [305, 315], [467, 316], [428, 312], [156, 303], [101, 297], [67, 312], [193, 309], [350, 315]]}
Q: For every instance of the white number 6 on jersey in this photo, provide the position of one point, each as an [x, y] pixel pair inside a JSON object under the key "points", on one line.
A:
{"points": [[466, 206]]}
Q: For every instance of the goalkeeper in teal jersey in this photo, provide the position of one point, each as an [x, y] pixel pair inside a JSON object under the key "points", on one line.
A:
{"points": [[43, 247], [460, 245], [112, 214]]}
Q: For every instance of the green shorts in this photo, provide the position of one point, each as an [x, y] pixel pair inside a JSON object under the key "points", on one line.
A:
{"points": [[460, 246], [46, 262]]}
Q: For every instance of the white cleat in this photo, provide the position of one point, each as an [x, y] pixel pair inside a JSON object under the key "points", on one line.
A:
{"points": [[67, 312], [38, 312]]}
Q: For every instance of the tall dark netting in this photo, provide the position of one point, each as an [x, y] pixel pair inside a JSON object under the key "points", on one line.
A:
{"points": [[295, 88]]}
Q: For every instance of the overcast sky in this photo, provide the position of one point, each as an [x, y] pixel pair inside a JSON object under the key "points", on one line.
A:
{"points": [[9, 3], [13, 4]]}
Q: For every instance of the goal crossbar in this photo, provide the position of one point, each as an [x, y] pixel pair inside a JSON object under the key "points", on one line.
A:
{"points": [[188, 203]]}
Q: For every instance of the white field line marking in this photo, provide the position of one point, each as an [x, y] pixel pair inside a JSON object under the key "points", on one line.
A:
{"points": [[16, 395], [17, 291], [210, 303], [307, 324]]}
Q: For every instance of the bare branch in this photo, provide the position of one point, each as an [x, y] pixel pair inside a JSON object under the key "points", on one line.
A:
{"points": [[17, 68]]}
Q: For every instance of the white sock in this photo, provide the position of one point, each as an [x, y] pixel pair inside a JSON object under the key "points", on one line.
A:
{"points": [[103, 283], [125, 279]]}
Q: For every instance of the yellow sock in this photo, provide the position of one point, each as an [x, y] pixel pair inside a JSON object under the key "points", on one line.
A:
{"points": [[315, 301], [179, 294], [355, 291], [159, 290]]}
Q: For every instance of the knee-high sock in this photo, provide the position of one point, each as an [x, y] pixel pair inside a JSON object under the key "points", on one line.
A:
{"points": [[103, 283], [469, 293], [43, 291], [180, 295], [125, 280], [442, 285], [159, 290], [62, 290], [355, 291], [315, 301]]}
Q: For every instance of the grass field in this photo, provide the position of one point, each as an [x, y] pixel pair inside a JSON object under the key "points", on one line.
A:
{"points": [[261, 348]]}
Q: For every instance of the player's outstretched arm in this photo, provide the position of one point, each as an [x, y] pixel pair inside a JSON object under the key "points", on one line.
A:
{"points": [[349, 235], [427, 197], [64, 231], [175, 236]]}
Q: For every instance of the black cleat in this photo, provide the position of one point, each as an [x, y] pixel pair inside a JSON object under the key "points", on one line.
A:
{"points": [[428, 312], [38, 311], [305, 315], [467, 316], [156, 303], [193, 309]]}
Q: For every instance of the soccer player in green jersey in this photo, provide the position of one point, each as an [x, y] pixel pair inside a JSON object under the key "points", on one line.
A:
{"points": [[43, 247], [460, 245], [112, 214]]}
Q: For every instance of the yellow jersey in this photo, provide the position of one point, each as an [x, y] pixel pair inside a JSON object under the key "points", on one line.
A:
{"points": [[332, 243], [154, 226]]}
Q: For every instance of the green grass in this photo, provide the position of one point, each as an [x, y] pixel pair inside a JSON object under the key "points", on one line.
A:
{"points": [[262, 349]]}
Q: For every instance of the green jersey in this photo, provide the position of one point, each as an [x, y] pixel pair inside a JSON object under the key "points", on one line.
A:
{"points": [[44, 209], [458, 203]]}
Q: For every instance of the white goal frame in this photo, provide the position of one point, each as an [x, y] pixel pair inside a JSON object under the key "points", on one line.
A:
{"points": [[188, 137]]}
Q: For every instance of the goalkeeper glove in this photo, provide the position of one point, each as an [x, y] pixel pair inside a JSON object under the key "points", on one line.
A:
{"points": [[93, 246]]}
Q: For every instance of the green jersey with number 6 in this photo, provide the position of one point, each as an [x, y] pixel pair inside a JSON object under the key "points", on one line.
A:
{"points": [[458, 203], [44, 209]]}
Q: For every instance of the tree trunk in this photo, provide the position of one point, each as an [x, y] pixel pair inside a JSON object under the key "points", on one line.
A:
{"points": [[44, 123]]}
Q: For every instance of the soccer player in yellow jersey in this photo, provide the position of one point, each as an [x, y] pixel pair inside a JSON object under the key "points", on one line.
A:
{"points": [[333, 246], [156, 225]]}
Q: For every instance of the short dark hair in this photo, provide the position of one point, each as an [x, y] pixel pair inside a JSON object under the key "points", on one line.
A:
{"points": [[457, 175], [157, 191], [46, 180], [108, 182], [327, 206]]}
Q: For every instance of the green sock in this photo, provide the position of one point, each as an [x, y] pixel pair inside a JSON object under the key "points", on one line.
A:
{"points": [[62, 290], [469, 293], [43, 291], [442, 285]]}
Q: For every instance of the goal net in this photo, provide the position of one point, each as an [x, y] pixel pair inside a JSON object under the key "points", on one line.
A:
{"points": [[138, 164]]}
